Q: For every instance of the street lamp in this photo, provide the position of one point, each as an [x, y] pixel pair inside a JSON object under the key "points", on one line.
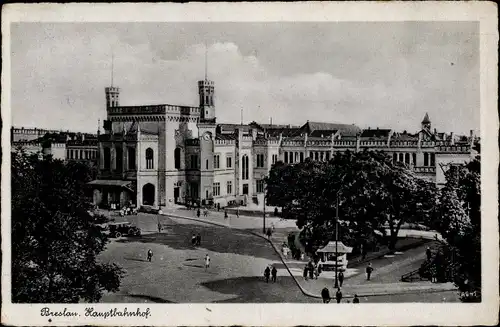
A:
{"points": [[337, 242], [264, 220]]}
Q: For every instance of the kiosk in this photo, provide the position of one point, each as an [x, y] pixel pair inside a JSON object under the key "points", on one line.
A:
{"points": [[328, 257]]}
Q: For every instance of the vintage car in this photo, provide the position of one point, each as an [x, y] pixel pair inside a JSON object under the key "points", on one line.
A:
{"points": [[123, 229]]}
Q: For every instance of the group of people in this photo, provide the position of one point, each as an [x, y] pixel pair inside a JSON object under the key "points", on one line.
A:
{"points": [[312, 270], [196, 239], [325, 294], [273, 273]]}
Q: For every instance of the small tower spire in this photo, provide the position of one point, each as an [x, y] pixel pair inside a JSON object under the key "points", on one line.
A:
{"points": [[241, 118], [98, 126], [206, 62], [112, 66]]}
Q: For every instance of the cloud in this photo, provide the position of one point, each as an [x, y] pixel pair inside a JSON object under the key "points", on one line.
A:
{"points": [[59, 74]]}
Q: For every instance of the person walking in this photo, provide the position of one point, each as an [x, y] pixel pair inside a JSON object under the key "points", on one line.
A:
{"points": [[218, 206], [198, 213], [428, 253], [341, 278], [207, 262], [325, 295], [369, 270], [194, 239], [159, 227], [274, 273], [205, 212], [267, 273], [305, 272], [237, 213], [225, 214], [198, 239], [338, 295], [150, 255], [356, 299]]}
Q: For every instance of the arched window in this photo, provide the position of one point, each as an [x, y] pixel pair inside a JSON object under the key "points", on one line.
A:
{"points": [[394, 157], [401, 157], [131, 158], [119, 159], [286, 157], [407, 158], [414, 159], [244, 167], [426, 159], [206, 164], [149, 158], [107, 158], [433, 159], [177, 158]]}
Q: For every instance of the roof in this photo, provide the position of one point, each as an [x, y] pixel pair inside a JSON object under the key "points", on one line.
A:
{"points": [[426, 119], [378, 133], [323, 133], [330, 248], [404, 136], [110, 182], [219, 136], [232, 127], [344, 129]]}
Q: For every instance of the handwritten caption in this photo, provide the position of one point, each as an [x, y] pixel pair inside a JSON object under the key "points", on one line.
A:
{"points": [[94, 313]]}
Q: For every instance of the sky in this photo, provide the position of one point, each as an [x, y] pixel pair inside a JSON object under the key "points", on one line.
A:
{"points": [[372, 74]]}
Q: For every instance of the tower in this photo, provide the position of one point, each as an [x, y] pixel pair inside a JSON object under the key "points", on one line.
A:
{"points": [[112, 92], [426, 122], [206, 92]]}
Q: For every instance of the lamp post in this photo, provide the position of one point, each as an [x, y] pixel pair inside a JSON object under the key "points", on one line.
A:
{"points": [[337, 242], [264, 216]]}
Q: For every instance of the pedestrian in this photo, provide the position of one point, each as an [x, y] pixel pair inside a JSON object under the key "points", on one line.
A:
{"points": [[159, 227], [237, 213], [341, 278], [198, 239], [269, 233], [276, 212], [316, 272], [369, 270], [356, 299], [225, 214], [305, 272], [198, 213], [311, 272], [272, 227], [205, 212], [218, 206], [428, 253], [194, 239], [274, 273], [207, 262], [325, 294], [320, 269], [338, 295], [150, 255], [267, 272]]}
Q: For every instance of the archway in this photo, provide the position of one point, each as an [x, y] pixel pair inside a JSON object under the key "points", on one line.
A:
{"points": [[148, 194]]}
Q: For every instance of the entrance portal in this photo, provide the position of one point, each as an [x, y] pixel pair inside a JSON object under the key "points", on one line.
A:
{"points": [[245, 188], [148, 194], [176, 195]]}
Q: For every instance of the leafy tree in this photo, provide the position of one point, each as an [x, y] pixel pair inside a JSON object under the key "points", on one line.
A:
{"points": [[55, 237], [372, 194]]}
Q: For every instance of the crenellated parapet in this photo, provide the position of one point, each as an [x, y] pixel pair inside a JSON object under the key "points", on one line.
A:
{"points": [[162, 112], [452, 148], [192, 142]]}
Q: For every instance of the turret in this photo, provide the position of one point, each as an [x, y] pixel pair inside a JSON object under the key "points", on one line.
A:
{"points": [[206, 92], [426, 122], [112, 97]]}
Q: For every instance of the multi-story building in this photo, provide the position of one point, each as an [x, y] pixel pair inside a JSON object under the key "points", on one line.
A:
{"points": [[159, 155]]}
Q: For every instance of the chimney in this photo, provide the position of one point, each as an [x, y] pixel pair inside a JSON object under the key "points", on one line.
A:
{"points": [[452, 139]]}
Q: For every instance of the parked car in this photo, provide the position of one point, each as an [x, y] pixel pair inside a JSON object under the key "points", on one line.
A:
{"points": [[123, 229]]}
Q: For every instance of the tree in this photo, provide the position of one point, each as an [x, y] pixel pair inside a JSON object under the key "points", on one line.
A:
{"points": [[373, 194], [459, 221], [55, 237]]}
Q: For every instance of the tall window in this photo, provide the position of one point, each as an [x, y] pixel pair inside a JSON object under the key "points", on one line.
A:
{"points": [[81, 154], [131, 158], [260, 160], [290, 157], [244, 170], [194, 161], [302, 157], [286, 157], [426, 159], [328, 156], [107, 158], [316, 155], [433, 159], [76, 154], [260, 186], [216, 189], [229, 161], [119, 159], [67, 154], [407, 158], [394, 157], [177, 158], [149, 158], [401, 157], [275, 158], [206, 164], [414, 159], [216, 161], [229, 187]]}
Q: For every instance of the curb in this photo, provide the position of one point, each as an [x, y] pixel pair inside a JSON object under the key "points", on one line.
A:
{"points": [[305, 292]]}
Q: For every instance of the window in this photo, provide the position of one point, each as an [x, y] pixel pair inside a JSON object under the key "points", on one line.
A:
{"points": [[149, 158], [301, 156], [206, 164], [67, 154], [216, 189], [119, 159], [401, 157], [131, 158], [107, 158], [407, 158], [216, 161], [311, 155], [229, 162], [177, 158], [328, 156], [275, 158], [426, 159], [194, 161], [433, 159], [260, 160], [286, 157], [76, 154], [316, 156], [414, 159], [394, 157], [290, 157], [244, 167], [229, 187], [81, 154], [260, 186]]}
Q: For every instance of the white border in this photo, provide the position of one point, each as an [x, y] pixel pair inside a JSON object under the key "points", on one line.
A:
{"points": [[281, 314]]}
